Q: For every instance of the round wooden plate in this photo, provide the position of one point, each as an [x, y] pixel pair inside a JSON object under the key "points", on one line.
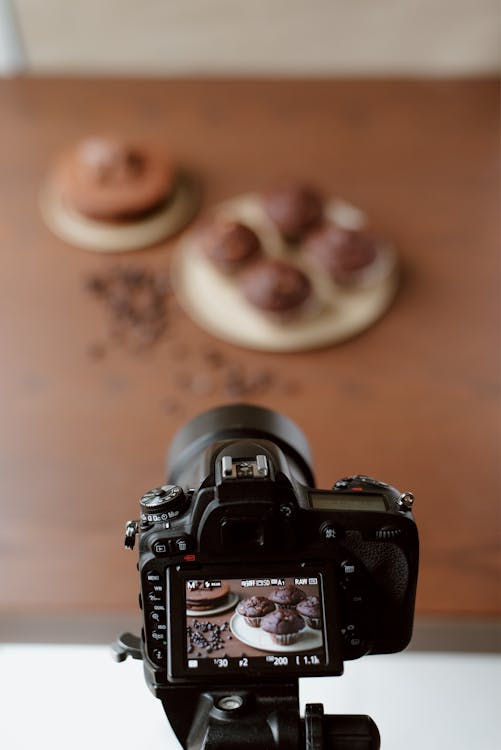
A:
{"points": [[214, 301]]}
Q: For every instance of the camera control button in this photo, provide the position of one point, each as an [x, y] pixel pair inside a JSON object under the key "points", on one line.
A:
{"points": [[183, 544], [350, 579], [353, 640], [341, 484], [329, 532], [348, 569], [157, 637], [153, 577], [156, 619], [388, 534], [160, 547], [158, 655]]}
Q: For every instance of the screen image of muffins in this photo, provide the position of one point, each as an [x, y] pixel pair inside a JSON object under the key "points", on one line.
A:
{"points": [[284, 269], [279, 629], [263, 616], [309, 609], [108, 193], [287, 597]]}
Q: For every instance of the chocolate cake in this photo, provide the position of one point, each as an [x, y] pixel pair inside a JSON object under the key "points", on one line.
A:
{"points": [[111, 179], [294, 208], [202, 599]]}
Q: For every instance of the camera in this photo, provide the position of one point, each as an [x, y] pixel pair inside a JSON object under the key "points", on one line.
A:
{"points": [[251, 577]]}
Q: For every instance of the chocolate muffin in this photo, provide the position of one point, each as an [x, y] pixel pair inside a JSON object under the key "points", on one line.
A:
{"points": [[284, 626], [113, 179], [275, 287], [230, 245], [309, 608], [287, 596], [254, 609], [293, 208], [345, 254]]}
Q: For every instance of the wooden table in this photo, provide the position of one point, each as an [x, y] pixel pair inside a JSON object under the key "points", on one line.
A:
{"points": [[414, 400]]}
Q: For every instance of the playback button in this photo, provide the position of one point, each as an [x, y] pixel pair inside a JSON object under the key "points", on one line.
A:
{"points": [[161, 547]]}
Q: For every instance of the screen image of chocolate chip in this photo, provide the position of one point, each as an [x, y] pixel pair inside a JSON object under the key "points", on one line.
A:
{"points": [[206, 636]]}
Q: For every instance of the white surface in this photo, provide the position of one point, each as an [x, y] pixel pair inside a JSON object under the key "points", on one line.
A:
{"points": [[75, 696], [287, 37], [11, 50]]}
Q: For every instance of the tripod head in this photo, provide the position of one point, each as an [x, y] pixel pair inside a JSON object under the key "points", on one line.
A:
{"points": [[269, 720], [261, 717]]}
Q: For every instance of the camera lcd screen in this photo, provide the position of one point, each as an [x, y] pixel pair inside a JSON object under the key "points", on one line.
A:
{"points": [[254, 624], [347, 501]]}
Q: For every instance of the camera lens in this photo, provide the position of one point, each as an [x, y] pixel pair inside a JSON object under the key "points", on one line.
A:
{"points": [[234, 422]]}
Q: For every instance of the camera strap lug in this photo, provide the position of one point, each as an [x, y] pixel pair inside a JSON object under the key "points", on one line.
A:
{"points": [[131, 530]]}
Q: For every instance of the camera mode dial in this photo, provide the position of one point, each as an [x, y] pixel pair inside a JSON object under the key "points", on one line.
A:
{"points": [[162, 503], [359, 479]]}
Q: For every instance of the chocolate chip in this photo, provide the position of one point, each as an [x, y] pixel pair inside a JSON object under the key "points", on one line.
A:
{"points": [[135, 302], [214, 358], [96, 351]]}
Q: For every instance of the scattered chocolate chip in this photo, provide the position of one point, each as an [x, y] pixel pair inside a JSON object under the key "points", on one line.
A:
{"points": [[182, 381], [96, 285], [170, 406], [201, 385], [136, 301], [205, 635], [290, 387], [96, 351], [179, 352], [214, 358]]}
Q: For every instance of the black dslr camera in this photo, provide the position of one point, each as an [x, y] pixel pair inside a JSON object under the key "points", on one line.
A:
{"points": [[252, 578]]}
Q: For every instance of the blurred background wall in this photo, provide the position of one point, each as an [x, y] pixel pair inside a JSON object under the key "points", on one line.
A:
{"points": [[281, 37]]}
